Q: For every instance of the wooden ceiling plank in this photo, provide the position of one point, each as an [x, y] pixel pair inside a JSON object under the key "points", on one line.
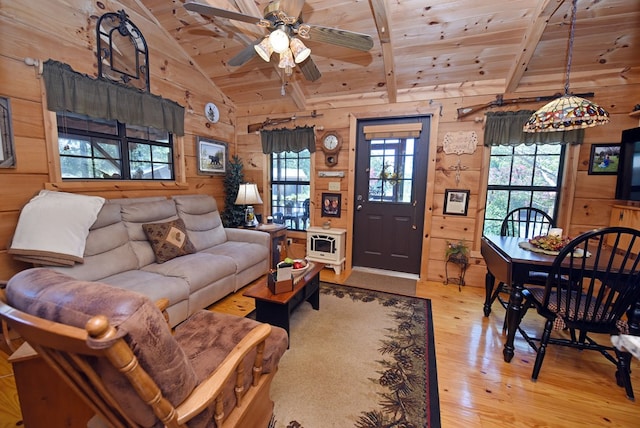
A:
{"points": [[529, 42]]}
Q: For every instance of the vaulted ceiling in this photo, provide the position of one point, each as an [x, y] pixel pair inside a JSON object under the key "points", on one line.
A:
{"points": [[422, 48]]}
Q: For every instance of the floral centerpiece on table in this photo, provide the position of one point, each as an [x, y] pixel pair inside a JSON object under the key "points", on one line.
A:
{"points": [[550, 242]]}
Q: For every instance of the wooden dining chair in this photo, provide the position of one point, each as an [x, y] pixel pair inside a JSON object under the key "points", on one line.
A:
{"points": [[523, 222], [584, 300]]}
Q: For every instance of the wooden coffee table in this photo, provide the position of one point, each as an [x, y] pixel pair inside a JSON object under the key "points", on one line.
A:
{"points": [[276, 309]]}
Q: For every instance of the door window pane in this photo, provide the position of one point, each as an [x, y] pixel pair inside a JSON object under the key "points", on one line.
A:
{"points": [[391, 170]]}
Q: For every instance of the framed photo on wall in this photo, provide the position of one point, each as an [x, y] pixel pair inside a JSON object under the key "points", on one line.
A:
{"points": [[212, 156], [456, 202], [604, 159], [331, 204]]}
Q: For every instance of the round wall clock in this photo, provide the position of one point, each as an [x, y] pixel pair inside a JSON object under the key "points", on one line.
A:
{"points": [[212, 113], [330, 144]]}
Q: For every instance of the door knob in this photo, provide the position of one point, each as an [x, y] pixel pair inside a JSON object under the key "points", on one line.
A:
{"points": [[359, 207]]}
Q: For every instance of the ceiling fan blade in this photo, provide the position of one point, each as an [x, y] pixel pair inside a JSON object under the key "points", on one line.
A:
{"points": [[292, 7], [214, 12], [335, 36], [244, 55], [310, 70]]}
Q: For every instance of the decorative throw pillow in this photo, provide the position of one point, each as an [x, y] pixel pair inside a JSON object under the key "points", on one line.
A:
{"points": [[168, 240]]}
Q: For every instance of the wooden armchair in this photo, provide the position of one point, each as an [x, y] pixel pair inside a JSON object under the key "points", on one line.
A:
{"points": [[214, 370]]}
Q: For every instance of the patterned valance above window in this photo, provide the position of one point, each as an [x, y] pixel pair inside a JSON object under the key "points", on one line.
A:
{"points": [[68, 90], [504, 128], [288, 140]]}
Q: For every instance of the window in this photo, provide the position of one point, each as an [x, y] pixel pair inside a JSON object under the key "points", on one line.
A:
{"points": [[391, 170], [291, 188], [523, 176], [95, 149]]}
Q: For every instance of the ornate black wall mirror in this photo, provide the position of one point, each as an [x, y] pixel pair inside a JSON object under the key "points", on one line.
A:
{"points": [[122, 51], [7, 155]]}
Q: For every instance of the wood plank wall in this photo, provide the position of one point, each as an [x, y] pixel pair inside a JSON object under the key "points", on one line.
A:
{"points": [[68, 35], [588, 198]]}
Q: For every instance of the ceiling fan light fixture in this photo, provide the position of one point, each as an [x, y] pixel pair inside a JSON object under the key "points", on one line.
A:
{"points": [[567, 112], [264, 49], [286, 62], [299, 50], [279, 41]]}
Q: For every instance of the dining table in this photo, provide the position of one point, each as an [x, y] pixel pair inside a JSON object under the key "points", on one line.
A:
{"points": [[511, 263]]}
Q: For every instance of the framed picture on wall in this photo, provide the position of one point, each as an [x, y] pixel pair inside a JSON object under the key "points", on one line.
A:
{"points": [[212, 156], [456, 202], [331, 204], [604, 159]]}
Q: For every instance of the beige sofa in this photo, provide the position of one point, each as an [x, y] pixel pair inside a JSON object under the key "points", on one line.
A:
{"points": [[118, 252]]}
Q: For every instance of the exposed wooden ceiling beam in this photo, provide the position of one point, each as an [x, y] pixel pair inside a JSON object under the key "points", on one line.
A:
{"points": [[531, 38], [384, 34]]}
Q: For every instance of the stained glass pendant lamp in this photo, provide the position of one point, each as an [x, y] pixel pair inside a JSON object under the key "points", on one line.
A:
{"points": [[569, 111]]}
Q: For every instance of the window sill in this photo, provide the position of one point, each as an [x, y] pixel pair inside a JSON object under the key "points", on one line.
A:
{"points": [[92, 186]]}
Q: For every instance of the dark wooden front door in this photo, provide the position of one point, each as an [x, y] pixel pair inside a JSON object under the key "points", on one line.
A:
{"points": [[389, 203]]}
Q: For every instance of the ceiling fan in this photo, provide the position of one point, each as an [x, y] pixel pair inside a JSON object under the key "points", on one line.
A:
{"points": [[286, 28]]}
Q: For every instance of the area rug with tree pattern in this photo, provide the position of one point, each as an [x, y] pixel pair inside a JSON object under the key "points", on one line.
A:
{"points": [[366, 359]]}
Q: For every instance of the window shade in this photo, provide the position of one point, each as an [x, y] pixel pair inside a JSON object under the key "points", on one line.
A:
{"points": [[398, 130], [288, 140], [504, 128], [68, 90]]}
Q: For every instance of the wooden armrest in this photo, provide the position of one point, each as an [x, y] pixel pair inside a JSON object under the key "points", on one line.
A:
{"points": [[205, 393]]}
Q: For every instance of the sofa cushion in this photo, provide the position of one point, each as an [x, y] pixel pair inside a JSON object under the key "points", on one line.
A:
{"points": [[202, 219], [107, 251], [134, 215], [197, 270], [168, 240], [60, 298]]}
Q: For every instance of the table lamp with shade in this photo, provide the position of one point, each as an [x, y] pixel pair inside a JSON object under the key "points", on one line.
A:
{"points": [[248, 195]]}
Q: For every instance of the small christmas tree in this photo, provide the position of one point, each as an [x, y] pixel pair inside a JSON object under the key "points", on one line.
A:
{"points": [[233, 215]]}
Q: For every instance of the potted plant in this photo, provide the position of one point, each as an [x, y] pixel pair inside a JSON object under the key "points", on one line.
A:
{"points": [[233, 215], [457, 252]]}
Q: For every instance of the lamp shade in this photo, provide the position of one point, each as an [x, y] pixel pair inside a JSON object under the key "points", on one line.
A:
{"points": [[264, 49], [566, 113], [286, 61], [279, 40], [299, 50], [248, 194]]}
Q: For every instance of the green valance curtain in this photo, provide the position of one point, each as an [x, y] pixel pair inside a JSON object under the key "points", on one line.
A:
{"points": [[288, 140], [504, 128], [68, 90]]}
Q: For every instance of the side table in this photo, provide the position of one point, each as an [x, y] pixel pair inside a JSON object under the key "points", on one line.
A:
{"points": [[278, 233], [462, 262]]}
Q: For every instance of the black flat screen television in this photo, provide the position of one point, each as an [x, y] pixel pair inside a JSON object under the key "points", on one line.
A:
{"points": [[628, 185]]}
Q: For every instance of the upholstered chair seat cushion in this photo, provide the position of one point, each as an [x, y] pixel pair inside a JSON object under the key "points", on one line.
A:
{"points": [[207, 338]]}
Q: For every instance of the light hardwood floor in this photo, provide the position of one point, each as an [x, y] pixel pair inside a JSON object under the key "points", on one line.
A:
{"points": [[477, 388]]}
